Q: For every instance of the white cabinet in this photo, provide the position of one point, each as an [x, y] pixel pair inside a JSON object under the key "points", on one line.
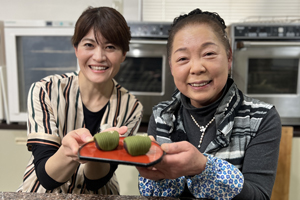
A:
{"points": [[14, 158], [128, 180]]}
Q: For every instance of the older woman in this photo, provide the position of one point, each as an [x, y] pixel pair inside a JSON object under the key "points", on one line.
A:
{"points": [[65, 111], [219, 143]]}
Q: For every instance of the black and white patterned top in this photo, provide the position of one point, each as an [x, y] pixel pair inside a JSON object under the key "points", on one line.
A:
{"points": [[245, 129]]}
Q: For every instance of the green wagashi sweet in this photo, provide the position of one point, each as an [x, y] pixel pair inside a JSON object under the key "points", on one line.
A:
{"points": [[137, 145], [107, 141]]}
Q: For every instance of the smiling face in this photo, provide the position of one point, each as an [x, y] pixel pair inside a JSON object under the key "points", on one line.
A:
{"points": [[199, 64], [98, 62]]}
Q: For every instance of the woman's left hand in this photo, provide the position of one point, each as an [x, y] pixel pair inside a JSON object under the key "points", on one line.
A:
{"points": [[181, 159]]}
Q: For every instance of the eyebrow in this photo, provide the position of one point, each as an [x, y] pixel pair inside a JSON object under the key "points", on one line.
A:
{"points": [[94, 41], [88, 39], [202, 46], [209, 44]]}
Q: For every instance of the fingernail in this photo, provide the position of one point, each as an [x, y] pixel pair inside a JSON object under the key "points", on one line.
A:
{"points": [[164, 147], [89, 139]]}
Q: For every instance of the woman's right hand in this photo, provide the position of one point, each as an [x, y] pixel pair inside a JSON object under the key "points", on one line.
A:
{"points": [[63, 163], [73, 141]]}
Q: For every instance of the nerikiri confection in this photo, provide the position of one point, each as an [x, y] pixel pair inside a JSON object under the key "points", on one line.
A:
{"points": [[107, 141], [137, 145]]}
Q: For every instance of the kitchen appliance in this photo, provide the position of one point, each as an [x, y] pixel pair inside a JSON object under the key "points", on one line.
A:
{"points": [[3, 96], [145, 71], [35, 49], [266, 64]]}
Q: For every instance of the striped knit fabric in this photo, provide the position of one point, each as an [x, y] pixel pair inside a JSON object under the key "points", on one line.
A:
{"points": [[55, 108], [238, 118]]}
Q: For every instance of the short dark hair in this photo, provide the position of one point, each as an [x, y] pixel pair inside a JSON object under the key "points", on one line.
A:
{"points": [[197, 16], [105, 20]]}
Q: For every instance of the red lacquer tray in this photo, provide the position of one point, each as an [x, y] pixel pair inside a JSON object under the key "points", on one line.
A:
{"points": [[89, 151]]}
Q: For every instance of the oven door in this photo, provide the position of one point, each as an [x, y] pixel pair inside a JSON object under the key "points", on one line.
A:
{"points": [[32, 54], [269, 71], [146, 73]]}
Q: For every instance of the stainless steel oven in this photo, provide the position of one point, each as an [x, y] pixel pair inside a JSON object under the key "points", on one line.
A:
{"points": [[266, 65], [35, 49], [145, 71]]}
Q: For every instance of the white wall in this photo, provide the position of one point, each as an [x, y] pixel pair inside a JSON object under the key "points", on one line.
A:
{"points": [[230, 10], [60, 9]]}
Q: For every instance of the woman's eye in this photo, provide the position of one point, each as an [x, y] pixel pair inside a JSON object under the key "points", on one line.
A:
{"points": [[209, 54], [111, 47], [181, 59], [88, 45]]}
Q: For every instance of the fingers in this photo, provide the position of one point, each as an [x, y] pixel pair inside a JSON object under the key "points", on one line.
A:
{"points": [[173, 163], [121, 130], [85, 135], [74, 139], [176, 147], [150, 173], [152, 138]]}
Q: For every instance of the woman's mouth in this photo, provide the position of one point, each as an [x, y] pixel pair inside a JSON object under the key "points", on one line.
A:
{"points": [[98, 68], [200, 84]]}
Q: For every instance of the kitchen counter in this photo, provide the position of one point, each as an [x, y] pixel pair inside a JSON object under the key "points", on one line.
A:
{"points": [[50, 196]]}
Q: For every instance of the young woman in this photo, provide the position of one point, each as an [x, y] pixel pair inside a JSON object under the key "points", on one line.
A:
{"points": [[219, 143], [65, 111]]}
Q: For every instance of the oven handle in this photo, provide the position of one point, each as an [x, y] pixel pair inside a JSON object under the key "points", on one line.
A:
{"points": [[148, 41], [248, 44]]}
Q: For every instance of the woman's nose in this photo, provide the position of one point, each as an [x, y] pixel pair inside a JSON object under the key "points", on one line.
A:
{"points": [[197, 67], [99, 54]]}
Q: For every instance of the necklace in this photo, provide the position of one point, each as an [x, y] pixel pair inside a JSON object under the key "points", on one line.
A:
{"points": [[202, 128]]}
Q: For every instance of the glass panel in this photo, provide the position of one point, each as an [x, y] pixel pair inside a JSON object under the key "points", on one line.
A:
{"points": [[40, 56], [142, 74], [272, 76]]}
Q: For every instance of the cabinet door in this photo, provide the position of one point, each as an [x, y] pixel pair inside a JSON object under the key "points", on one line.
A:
{"points": [[14, 159]]}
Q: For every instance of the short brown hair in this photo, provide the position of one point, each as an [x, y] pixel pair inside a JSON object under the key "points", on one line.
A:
{"points": [[105, 20]]}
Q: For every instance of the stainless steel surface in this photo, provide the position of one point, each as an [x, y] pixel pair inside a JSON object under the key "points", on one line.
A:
{"points": [[264, 44], [148, 44], [272, 42]]}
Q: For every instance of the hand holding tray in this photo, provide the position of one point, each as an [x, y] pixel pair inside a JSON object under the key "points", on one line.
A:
{"points": [[89, 151]]}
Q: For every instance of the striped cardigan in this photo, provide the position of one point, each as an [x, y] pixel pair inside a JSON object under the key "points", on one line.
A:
{"points": [[238, 118], [55, 108]]}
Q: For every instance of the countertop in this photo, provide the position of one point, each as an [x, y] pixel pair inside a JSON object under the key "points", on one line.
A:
{"points": [[50, 196]]}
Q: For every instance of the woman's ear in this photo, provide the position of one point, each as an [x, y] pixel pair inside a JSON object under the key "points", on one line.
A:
{"points": [[124, 56], [75, 48], [229, 59], [170, 67]]}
